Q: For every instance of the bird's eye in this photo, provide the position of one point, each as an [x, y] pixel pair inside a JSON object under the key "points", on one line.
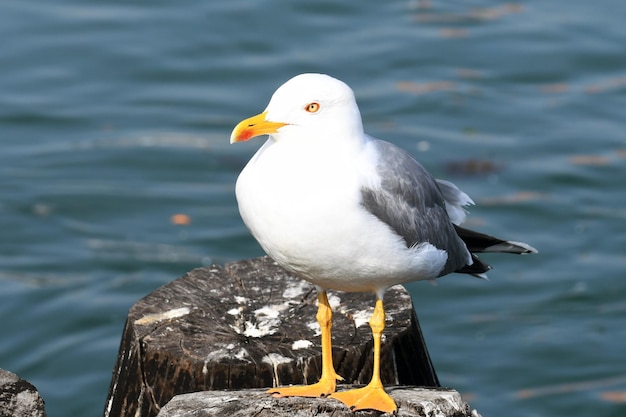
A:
{"points": [[312, 107]]}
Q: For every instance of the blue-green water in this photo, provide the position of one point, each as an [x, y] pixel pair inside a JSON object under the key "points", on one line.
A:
{"points": [[114, 116]]}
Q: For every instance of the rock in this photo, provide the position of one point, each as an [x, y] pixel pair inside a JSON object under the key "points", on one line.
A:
{"points": [[18, 397]]}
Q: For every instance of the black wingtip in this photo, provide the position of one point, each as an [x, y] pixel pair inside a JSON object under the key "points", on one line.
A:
{"points": [[476, 269], [480, 243]]}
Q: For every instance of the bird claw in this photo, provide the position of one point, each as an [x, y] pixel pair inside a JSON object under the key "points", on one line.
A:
{"points": [[367, 398], [323, 388]]}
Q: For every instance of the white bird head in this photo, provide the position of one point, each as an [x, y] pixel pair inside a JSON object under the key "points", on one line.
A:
{"points": [[306, 106]]}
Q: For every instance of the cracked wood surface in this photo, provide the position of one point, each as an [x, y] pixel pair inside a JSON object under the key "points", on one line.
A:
{"points": [[412, 402]]}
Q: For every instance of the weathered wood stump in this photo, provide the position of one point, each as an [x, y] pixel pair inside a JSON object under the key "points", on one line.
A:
{"points": [[251, 324], [412, 402]]}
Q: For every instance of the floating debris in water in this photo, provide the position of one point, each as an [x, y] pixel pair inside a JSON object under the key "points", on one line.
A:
{"points": [[473, 166]]}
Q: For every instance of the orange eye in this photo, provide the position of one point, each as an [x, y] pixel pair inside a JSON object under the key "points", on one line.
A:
{"points": [[312, 107]]}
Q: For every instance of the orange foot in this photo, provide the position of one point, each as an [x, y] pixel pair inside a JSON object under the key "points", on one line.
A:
{"points": [[370, 397], [322, 388]]}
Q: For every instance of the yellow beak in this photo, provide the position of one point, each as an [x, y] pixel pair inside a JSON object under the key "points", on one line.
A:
{"points": [[254, 126]]}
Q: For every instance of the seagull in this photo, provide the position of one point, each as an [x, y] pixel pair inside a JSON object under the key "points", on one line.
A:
{"points": [[349, 212]]}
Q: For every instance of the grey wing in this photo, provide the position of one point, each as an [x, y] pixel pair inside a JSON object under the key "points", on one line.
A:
{"points": [[410, 202]]}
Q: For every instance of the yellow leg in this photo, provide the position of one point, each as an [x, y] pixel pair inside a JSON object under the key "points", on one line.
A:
{"points": [[373, 395], [328, 380]]}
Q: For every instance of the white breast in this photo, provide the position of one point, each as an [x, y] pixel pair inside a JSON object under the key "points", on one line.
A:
{"points": [[302, 204]]}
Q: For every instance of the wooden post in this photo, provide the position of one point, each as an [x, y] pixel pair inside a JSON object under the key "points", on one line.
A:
{"points": [[251, 324]]}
